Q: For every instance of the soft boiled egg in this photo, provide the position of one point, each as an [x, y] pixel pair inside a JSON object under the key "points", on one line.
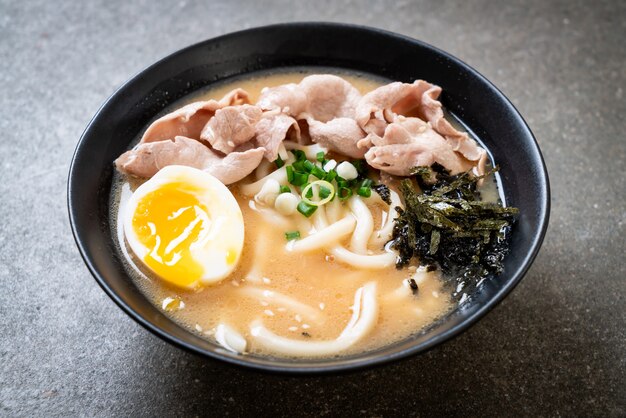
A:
{"points": [[185, 226]]}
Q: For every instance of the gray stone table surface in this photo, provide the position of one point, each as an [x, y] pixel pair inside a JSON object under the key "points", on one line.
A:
{"points": [[555, 347]]}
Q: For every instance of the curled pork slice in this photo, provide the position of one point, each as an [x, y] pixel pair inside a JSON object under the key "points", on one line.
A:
{"points": [[189, 120], [236, 165], [147, 159], [273, 129], [382, 106], [329, 97], [409, 143], [322, 97], [287, 98], [231, 126], [341, 135]]}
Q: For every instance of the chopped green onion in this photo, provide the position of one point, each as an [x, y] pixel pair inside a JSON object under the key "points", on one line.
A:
{"points": [[325, 192], [366, 183], [344, 193], [309, 194], [299, 179], [320, 156], [308, 166], [360, 165], [364, 191], [299, 154], [306, 209], [318, 172], [290, 173], [284, 189], [342, 183], [279, 162], [300, 166], [330, 176], [292, 235]]}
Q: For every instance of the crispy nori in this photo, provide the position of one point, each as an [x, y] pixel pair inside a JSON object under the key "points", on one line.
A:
{"points": [[383, 192], [448, 225]]}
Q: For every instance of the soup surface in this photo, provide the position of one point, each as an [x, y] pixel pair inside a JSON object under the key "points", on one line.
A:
{"points": [[305, 296]]}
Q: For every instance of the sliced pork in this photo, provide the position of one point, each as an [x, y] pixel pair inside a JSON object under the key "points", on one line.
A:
{"points": [[288, 98], [340, 135], [323, 106], [381, 106], [273, 129], [322, 97], [189, 120], [395, 127], [409, 142], [329, 97], [236, 165], [147, 159], [231, 126]]}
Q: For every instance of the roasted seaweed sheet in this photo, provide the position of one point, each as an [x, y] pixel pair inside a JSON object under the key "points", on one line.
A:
{"points": [[449, 226]]}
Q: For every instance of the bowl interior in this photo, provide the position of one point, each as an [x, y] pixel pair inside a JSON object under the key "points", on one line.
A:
{"points": [[466, 94]]}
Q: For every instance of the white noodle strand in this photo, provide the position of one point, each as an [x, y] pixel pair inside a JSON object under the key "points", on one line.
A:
{"points": [[230, 339], [364, 225], [325, 237], [334, 210], [363, 320], [380, 237], [251, 189], [377, 261]]}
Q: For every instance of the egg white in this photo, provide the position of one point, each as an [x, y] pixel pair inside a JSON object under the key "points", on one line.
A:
{"points": [[218, 248]]}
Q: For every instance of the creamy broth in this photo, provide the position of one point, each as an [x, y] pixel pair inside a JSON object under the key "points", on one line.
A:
{"points": [[267, 270]]}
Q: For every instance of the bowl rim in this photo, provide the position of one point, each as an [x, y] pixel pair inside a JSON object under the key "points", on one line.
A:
{"points": [[353, 365]]}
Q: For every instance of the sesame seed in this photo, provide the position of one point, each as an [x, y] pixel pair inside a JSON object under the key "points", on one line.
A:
{"points": [[268, 312]]}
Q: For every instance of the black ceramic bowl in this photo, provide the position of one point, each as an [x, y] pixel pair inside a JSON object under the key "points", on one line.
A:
{"points": [[466, 93]]}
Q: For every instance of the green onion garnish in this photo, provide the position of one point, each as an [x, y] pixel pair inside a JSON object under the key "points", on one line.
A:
{"points": [[318, 172], [360, 165], [300, 165], [299, 179], [344, 193], [290, 173], [321, 190], [292, 235], [279, 162], [366, 183], [342, 183], [330, 176], [320, 156], [308, 166], [306, 209], [364, 191], [324, 192], [284, 189], [299, 154]]}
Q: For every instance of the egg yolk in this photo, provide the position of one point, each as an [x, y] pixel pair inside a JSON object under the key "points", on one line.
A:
{"points": [[168, 221]]}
